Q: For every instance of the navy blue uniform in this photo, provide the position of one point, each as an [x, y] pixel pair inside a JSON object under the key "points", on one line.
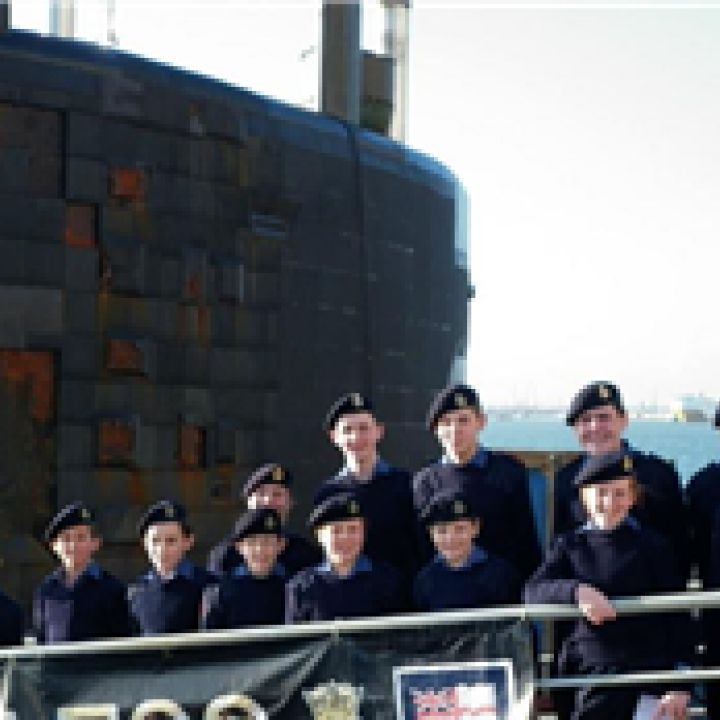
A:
{"points": [[318, 593], [94, 607], [298, 553], [484, 581], [703, 493], [243, 600], [387, 500], [623, 562], [498, 488], [170, 605], [660, 506], [11, 622]]}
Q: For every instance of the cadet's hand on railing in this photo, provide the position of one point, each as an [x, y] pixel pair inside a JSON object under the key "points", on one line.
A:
{"points": [[594, 605], [672, 705]]}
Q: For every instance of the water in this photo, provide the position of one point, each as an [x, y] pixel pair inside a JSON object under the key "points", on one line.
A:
{"points": [[689, 445]]}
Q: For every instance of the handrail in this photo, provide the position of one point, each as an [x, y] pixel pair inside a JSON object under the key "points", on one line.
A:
{"points": [[686, 675], [624, 606]]}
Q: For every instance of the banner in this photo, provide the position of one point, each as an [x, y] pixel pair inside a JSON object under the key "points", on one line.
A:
{"points": [[459, 671]]}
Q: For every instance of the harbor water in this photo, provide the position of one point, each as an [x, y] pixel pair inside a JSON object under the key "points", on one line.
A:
{"points": [[689, 445]]}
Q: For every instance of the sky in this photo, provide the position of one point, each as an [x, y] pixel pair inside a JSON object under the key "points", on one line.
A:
{"points": [[587, 136]]}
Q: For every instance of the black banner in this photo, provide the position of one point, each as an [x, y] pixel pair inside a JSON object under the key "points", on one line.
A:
{"points": [[463, 670]]}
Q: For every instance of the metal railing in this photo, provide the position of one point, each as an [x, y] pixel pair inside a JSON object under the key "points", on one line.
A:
{"points": [[624, 606]]}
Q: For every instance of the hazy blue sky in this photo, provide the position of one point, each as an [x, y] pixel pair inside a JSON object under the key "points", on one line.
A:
{"points": [[588, 138]]}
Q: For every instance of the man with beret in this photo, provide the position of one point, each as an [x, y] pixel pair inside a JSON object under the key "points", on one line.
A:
{"points": [[167, 598], [347, 583], [385, 491], [598, 417], [253, 593], [80, 600], [462, 574], [614, 555], [268, 487], [703, 494], [496, 484]]}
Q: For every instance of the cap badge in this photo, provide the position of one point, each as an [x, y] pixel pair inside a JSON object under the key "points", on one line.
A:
{"points": [[353, 507], [269, 522], [277, 474], [169, 511], [85, 514], [459, 507], [627, 463], [604, 392], [460, 400], [357, 400]]}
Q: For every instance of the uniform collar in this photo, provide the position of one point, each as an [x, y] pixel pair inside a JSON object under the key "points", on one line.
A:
{"points": [[479, 460], [93, 571], [629, 522], [242, 571], [625, 446], [363, 564], [185, 570], [381, 468], [477, 557]]}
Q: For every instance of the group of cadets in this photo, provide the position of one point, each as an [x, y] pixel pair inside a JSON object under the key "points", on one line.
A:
{"points": [[459, 533]]}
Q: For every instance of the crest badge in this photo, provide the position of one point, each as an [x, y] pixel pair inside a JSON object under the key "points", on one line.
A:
{"points": [[269, 522], [357, 400], [627, 463], [604, 392], [459, 507], [277, 474], [460, 400], [334, 701], [85, 514], [353, 507]]}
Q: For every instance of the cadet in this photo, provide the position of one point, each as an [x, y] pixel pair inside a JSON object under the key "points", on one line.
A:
{"points": [[252, 593], [167, 598], [11, 622], [703, 493], [269, 486], [385, 491], [496, 484], [347, 584], [462, 574], [80, 600], [614, 555], [598, 416]]}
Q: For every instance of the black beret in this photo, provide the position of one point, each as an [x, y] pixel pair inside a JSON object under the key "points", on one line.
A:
{"points": [[600, 469], [160, 512], [76, 513], [454, 397], [446, 507], [346, 405], [338, 506], [594, 395], [717, 417], [272, 473], [261, 521]]}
